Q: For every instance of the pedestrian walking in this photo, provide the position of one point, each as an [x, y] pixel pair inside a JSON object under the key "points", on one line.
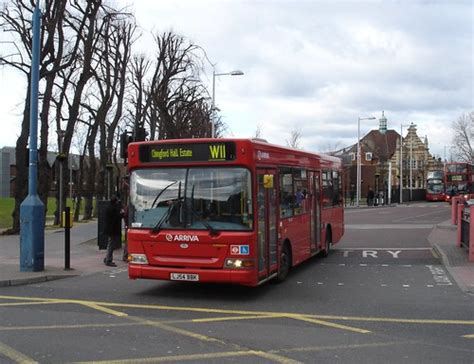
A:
{"points": [[352, 194], [370, 197], [125, 246], [113, 230]]}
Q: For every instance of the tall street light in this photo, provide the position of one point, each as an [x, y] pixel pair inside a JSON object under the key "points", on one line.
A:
{"points": [[32, 208], [214, 75], [61, 159], [358, 158]]}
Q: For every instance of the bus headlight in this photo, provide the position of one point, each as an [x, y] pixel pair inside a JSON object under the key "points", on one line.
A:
{"points": [[239, 263], [137, 259]]}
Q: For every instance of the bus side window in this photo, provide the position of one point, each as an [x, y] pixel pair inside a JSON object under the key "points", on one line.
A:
{"points": [[287, 198], [328, 189], [337, 188], [300, 186]]}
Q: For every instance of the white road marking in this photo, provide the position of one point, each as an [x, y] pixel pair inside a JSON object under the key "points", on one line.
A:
{"points": [[439, 276], [372, 253], [353, 249], [388, 226]]}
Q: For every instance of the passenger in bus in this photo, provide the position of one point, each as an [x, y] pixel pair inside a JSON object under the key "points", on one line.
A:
{"points": [[286, 206], [299, 197], [453, 191], [210, 211]]}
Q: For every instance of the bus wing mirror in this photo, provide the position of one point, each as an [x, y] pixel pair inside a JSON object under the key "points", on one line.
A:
{"points": [[268, 181]]}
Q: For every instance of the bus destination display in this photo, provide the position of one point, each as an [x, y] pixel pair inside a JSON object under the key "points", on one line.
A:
{"points": [[195, 152]]}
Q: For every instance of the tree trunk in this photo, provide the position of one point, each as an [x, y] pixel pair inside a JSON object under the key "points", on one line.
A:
{"points": [[90, 174], [21, 155]]}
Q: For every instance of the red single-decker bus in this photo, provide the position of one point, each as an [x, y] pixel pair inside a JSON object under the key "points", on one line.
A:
{"points": [[229, 210]]}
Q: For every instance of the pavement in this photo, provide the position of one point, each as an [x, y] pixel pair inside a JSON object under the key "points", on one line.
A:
{"points": [[85, 256], [456, 259], [87, 259]]}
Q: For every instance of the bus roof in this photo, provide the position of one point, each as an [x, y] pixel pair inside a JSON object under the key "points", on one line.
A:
{"points": [[255, 144]]}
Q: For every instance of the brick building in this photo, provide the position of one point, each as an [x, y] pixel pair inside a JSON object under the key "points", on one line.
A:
{"points": [[380, 162], [8, 171]]}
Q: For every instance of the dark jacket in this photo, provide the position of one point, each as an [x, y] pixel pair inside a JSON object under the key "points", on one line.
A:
{"points": [[113, 220]]}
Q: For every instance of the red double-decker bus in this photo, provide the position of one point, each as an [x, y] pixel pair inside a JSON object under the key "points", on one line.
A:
{"points": [[229, 210], [458, 179], [435, 186]]}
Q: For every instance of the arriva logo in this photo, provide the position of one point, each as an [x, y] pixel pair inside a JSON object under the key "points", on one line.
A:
{"points": [[186, 238]]}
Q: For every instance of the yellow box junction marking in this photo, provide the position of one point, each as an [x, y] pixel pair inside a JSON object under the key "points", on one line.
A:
{"points": [[106, 307], [251, 314], [196, 357], [14, 355]]}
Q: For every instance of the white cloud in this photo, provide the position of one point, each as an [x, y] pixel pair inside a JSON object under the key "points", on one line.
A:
{"points": [[318, 65]]}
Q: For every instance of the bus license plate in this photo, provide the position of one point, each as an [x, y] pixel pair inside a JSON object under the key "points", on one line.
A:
{"points": [[184, 277]]}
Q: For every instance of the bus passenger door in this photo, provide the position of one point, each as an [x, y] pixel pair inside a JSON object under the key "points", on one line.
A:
{"points": [[314, 187], [267, 222]]}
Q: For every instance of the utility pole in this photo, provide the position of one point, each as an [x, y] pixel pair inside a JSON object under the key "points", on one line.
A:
{"points": [[32, 208]]}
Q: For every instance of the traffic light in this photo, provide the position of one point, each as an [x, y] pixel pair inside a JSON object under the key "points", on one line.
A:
{"points": [[125, 140], [140, 134]]}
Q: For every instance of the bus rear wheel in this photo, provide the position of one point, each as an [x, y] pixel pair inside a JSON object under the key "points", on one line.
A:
{"points": [[285, 264]]}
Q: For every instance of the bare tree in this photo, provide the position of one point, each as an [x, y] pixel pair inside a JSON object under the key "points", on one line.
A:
{"points": [[331, 147], [57, 53], [295, 138], [175, 93], [107, 90], [463, 138], [140, 98]]}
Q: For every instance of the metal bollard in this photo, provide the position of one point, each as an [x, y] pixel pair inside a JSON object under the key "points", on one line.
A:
{"points": [[454, 209], [460, 207], [67, 238], [471, 235]]}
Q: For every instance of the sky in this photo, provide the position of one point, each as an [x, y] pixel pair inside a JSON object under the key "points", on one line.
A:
{"points": [[316, 66]]}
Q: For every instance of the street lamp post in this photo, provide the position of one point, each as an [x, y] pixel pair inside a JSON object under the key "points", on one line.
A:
{"points": [[32, 208], [358, 159], [411, 162], [214, 75], [411, 169], [61, 159]]}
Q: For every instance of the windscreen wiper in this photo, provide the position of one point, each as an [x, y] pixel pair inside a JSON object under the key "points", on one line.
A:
{"points": [[161, 192], [213, 231], [169, 210], [163, 218]]}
